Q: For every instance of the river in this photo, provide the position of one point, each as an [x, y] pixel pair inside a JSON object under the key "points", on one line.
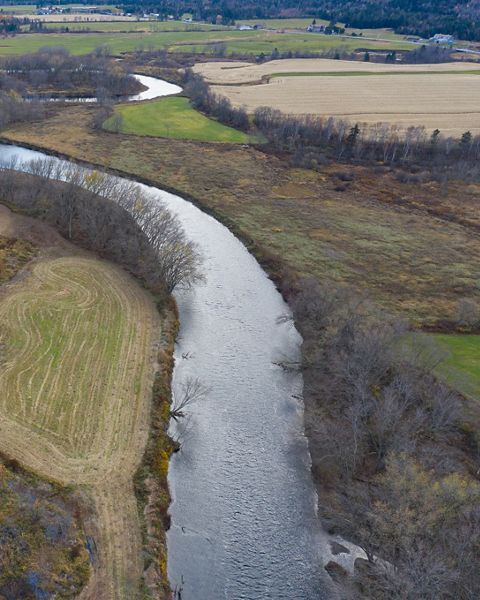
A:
{"points": [[244, 522]]}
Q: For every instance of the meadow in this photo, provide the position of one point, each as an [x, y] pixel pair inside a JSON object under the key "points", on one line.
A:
{"points": [[412, 248], [134, 25], [29, 9], [243, 42], [173, 118], [78, 341]]}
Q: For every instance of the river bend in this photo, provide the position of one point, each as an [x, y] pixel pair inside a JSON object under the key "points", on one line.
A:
{"points": [[244, 523]]}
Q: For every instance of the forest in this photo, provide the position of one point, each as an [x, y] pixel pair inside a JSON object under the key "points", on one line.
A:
{"points": [[460, 18]]}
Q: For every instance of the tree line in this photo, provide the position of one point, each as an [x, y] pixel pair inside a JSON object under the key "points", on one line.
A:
{"points": [[312, 140], [395, 452], [54, 69], [112, 217], [421, 17]]}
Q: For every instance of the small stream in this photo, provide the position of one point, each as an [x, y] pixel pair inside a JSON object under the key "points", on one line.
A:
{"points": [[244, 522]]}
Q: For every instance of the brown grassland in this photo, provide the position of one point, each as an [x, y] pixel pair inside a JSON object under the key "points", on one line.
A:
{"points": [[80, 339], [414, 249], [237, 72], [434, 96]]}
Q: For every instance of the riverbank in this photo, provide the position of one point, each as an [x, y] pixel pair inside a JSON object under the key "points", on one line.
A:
{"points": [[113, 522], [394, 240], [282, 276]]}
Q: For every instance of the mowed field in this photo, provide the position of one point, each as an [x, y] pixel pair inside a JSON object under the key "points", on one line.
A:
{"points": [[244, 42], [437, 96], [174, 118], [78, 340]]}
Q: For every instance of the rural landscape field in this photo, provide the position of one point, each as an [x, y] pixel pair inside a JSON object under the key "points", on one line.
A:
{"points": [[240, 315], [441, 96]]}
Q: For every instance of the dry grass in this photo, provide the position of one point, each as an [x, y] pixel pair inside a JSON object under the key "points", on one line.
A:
{"points": [[79, 339], [399, 95], [237, 72], [413, 248]]}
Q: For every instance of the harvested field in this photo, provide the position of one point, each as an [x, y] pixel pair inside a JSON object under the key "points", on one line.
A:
{"points": [[447, 101], [79, 338], [236, 72]]}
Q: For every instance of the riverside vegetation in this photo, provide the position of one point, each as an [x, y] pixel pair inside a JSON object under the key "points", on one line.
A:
{"points": [[99, 456], [394, 449]]}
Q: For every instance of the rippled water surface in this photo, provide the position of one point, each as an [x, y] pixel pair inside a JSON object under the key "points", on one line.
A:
{"points": [[243, 511]]}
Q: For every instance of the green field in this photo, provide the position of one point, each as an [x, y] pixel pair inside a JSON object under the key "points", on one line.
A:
{"points": [[242, 42], [174, 118], [462, 365], [267, 42], [25, 9], [149, 26], [282, 23]]}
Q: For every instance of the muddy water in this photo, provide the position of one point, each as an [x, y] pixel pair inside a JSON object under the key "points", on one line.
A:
{"points": [[243, 514]]}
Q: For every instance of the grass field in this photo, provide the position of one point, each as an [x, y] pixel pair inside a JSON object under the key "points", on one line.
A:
{"points": [[412, 248], [462, 365], [267, 42], [31, 8], [76, 380], [245, 42], [132, 25], [174, 118]]}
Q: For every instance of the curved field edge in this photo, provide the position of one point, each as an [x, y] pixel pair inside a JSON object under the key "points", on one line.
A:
{"points": [[106, 474], [172, 118]]}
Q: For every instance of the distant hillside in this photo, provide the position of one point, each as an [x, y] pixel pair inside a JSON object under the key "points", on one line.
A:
{"points": [[422, 17]]}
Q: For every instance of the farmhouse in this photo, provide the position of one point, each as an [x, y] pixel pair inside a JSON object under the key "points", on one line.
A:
{"points": [[316, 28], [440, 38]]}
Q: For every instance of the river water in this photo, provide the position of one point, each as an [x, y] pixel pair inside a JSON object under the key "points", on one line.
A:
{"points": [[244, 522]]}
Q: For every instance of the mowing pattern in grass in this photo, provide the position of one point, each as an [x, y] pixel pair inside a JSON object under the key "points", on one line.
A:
{"points": [[174, 118], [462, 366], [75, 395]]}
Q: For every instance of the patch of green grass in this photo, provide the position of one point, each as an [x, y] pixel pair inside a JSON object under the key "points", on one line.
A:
{"points": [[150, 26], [462, 365], [241, 42], [174, 118], [267, 42]]}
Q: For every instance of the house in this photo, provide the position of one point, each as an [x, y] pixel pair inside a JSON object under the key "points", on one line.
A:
{"points": [[244, 28], [440, 38], [316, 28]]}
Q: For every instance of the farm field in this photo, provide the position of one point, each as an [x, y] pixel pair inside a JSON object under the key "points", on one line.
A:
{"points": [[130, 24], [237, 72], [447, 101], [245, 42], [82, 43], [174, 118], [31, 8], [267, 41], [78, 338]]}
